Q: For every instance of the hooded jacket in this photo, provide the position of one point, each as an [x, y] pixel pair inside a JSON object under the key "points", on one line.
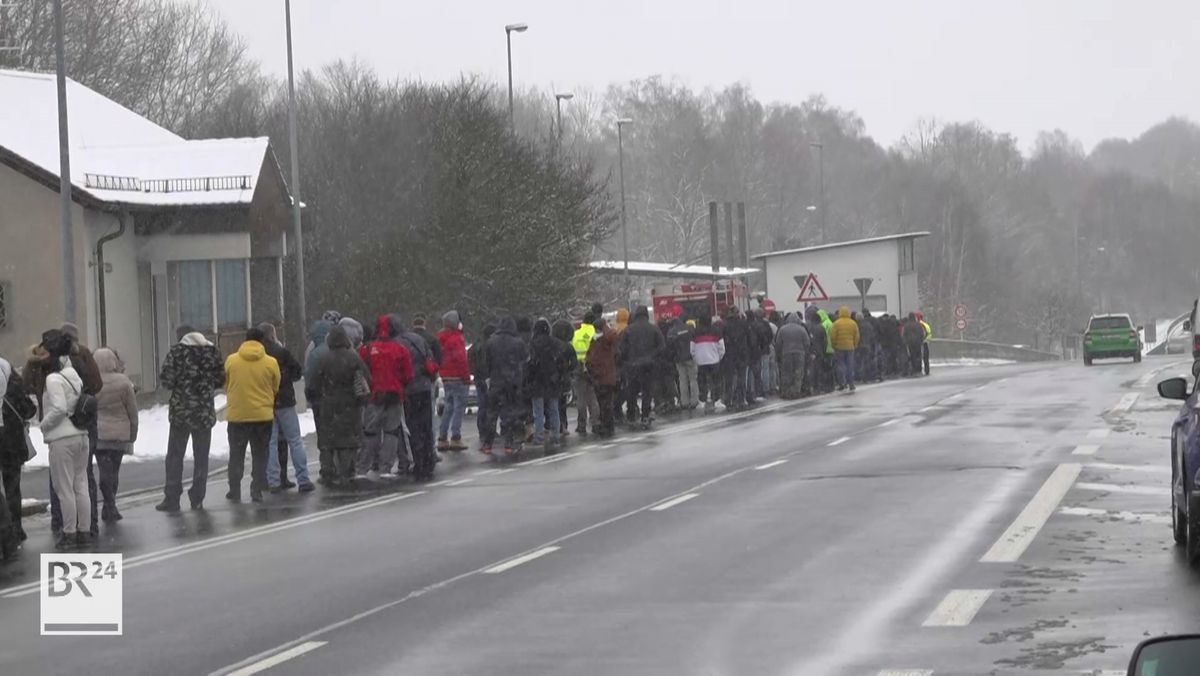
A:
{"points": [[817, 338], [602, 356], [333, 380], [193, 372], [389, 363], [317, 335], [866, 330], [505, 356], [827, 324], [913, 332], [641, 341], [289, 372], [737, 340], [546, 356], [419, 351], [581, 340], [680, 341], [845, 334], [116, 405], [708, 347], [354, 331], [454, 356], [251, 384], [792, 338], [62, 392]]}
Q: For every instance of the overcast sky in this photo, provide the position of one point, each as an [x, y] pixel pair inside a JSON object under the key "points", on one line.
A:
{"points": [[1095, 68]]}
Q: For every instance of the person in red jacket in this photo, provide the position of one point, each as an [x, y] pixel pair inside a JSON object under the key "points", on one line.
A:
{"points": [[383, 417], [456, 379]]}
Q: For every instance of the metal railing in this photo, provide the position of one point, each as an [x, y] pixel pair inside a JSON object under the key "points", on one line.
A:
{"points": [[198, 184], [106, 182]]}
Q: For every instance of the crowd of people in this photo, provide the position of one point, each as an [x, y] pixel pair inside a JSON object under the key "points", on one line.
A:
{"points": [[373, 390]]}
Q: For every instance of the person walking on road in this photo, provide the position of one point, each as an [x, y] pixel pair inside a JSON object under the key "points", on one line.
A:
{"points": [[640, 345], [251, 384], [506, 357], [584, 387], [708, 348], [390, 366], [67, 437], [418, 397], [16, 409], [845, 340], [456, 379], [546, 355], [791, 346], [192, 372], [286, 425], [117, 427], [601, 365], [914, 340], [928, 331], [680, 343], [342, 382]]}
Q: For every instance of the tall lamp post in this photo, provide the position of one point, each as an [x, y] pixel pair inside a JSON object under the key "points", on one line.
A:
{"points": [[821, 190], [508, 31], [558, 99], [64, 170], [297, 231], [621, 122]]}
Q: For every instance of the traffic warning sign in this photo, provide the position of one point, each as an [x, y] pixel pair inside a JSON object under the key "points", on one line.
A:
{"points": [[810, 289]]}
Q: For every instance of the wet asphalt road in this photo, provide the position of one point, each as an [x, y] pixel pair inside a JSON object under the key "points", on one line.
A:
{"points": [[915, 525]]}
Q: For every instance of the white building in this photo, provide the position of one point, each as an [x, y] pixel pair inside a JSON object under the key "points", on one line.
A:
{"points": [[889, 262]]}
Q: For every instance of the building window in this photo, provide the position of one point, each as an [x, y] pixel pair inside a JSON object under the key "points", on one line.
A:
{"points": [[212, 295], [908, 261], [195, 294], [5, 300], [231, 293]]}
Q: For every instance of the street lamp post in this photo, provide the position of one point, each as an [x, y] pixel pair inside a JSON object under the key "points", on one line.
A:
{"points": [[297, 230], [64, 170], [558, 99], [621, 172], [821, 195], [508, 31]]}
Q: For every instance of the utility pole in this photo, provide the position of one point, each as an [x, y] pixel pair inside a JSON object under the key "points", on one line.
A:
{"points": [[508, 31], [821, 194], [621, 172], [298, 232], [64, 170]]}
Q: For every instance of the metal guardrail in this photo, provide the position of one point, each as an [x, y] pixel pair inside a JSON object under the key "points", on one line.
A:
{"points": [[106, 182]]}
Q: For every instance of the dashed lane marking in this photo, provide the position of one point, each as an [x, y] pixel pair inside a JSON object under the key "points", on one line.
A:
{"points": [[769, 465], [557, 458], [1017, 538], [927, 409], [1098, 433], [674, 501], [1121, 488], [958, 608], [513, 563], [278, 658], [460, 482], [1108, 466], [1085, 449], [839, 441], [889, 423], [1127, 401], [1136, 517]]}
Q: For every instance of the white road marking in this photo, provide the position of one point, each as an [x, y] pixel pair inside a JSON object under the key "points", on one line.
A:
{"points": [[1098, 433], [769, 465], [278, 658], [674, 501], [906, 672], [1119, 488], [954, 397], [1137, 517], [1128, 468], [927, 409], [443, 482], [839, 441], [1085, 449], [958, 608], [1127, 401], [487, 472], [557, 458], [1017, 538], [891, 422], [513, 563], [460, 482]]}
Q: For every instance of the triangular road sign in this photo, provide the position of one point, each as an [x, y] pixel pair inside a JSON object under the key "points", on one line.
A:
{"points": [[810, 289], [863, 284]]}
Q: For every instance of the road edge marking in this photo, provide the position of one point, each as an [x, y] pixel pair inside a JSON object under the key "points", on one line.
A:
{"points": [[957, 608], [279, 658], [1021, 533]]}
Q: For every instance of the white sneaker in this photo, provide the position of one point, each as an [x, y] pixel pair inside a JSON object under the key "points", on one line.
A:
{"points": [[372, 475]]}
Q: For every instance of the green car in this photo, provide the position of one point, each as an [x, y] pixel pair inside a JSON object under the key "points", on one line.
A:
{"points": [[1111, 336]]}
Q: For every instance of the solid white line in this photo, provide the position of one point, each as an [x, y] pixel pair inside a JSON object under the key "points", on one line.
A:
{"points": [[1128, 468], [839, 441], [279, 658], [487, 472], [769, 465], [557, 458], [927, 409], [1127, 401], [674, 501], [1029, 522], [443, 482], [513, 563], [460, 482], [1119, 488], [1098, 433], [954, 396], [1146, 517], [889, 423], [1085, 449], [906, 672], [958, 608]]}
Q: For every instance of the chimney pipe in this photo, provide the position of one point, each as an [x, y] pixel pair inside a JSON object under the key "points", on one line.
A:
{"points": [[714, 237], [729, 234], [743, 245]]}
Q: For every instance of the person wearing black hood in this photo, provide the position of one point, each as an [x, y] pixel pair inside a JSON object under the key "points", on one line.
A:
{"points": [[816, 351], [418, 399], [640, 345], [478, 365], [914, 339], [545, 382], [565, 333], [737, 359], [337, 372], [792, 349], [505, 357], [865, 359]]}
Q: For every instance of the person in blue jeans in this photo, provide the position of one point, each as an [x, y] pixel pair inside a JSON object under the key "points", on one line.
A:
{"points": [[287, 422], [546, 361], [456, 379]]}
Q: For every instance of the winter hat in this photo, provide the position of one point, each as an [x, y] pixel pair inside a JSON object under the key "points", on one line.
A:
{"points": [[451, 319], [332, 316], [71, 330]]}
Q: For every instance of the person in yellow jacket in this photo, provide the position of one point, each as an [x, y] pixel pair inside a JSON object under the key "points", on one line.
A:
{"points": [[251, 383], [585, 391], [925, 345], [845, 339]]}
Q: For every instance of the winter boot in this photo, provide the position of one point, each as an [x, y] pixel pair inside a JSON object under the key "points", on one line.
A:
{"points": [[165, 506], [443, 445], [456, 444]]}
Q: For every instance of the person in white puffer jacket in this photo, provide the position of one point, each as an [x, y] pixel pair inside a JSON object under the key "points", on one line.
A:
{"points": [[68, 446]]}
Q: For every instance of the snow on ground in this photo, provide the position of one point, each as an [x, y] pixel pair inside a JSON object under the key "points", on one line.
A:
{"points": [[970, 362], [153, 429]]}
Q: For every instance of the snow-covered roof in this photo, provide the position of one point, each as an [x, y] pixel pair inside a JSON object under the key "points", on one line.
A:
{"points": [[670, 269], [835, 245], [119, 156]]}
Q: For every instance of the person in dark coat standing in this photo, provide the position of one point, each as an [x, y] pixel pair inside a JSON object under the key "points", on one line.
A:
{"points": [[383, 418], [816, 351], [475, 359], [564, 332], [865, 361], [914, 340], [418, 399], [286, 428], [506, 357], [16, 408], [601, 364], [641, 344], [546, 356], [317, 334], [792, 349], [737, 359], [193, 371], [679, 342], [340, 422]]}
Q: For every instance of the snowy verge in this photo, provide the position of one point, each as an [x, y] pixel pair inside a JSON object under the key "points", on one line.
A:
{"points": [[970, 362], [153, 430]]}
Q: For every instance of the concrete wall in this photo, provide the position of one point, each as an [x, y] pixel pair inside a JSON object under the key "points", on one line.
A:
{"points": [[126, 312], [836, 270]]}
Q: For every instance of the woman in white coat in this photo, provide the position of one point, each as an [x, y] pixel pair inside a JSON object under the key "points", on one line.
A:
{"points": [[68, 445]]}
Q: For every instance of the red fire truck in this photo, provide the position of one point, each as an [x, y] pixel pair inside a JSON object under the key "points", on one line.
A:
{"points": [[694, 299]]}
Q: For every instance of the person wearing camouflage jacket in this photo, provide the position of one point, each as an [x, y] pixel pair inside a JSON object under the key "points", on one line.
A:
{"points": [[193, 371]]}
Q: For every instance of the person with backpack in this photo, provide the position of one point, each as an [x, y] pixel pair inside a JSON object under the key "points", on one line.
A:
{"points": [[85, 365], [192, 372], [65, 423], [16, 408], [586, 403], [117, 427], [390, 366]]}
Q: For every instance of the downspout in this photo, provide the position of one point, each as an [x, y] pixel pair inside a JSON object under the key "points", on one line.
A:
{"points": [[101, 305]]}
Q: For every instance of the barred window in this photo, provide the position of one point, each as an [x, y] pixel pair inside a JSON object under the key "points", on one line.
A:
{"points": [[5, 299]]}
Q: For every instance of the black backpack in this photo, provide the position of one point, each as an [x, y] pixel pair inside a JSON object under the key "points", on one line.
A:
{"points": [[86, 409]]}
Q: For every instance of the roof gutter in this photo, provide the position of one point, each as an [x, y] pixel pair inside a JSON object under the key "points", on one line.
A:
{"points": [[102, 305]]}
